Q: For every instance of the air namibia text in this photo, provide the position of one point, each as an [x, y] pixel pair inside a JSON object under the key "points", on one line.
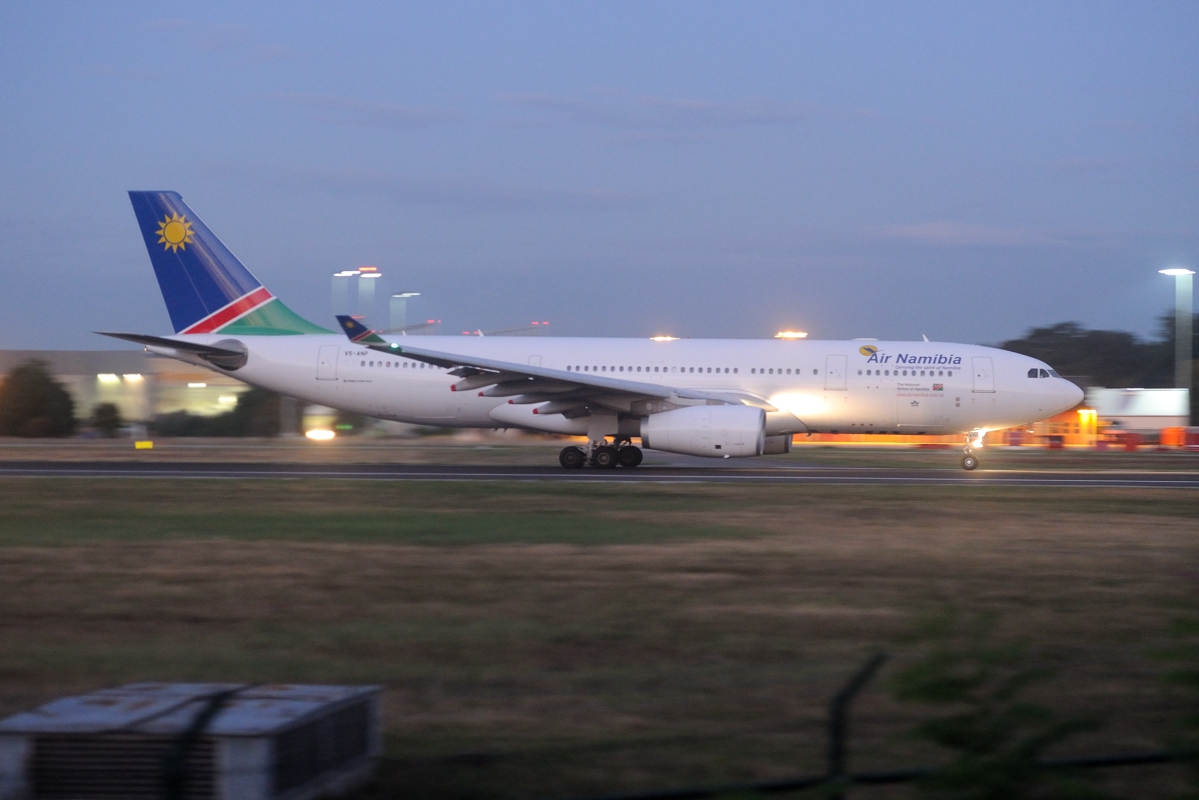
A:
{"points": [[904, 358]]}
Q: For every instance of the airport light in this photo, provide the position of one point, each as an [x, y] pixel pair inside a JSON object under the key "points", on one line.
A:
{"points": [[133, 377], [320, 435], [791, 335], [226, 399], [197, 385], [1184, 315], [663, 338], [107, 377]]}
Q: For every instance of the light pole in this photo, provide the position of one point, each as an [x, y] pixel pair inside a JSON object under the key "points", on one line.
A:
{"points": [[1183, 317], [399, 311]]}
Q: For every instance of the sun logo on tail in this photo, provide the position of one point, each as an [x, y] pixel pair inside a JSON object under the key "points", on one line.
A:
{"points": [[174, 232]]}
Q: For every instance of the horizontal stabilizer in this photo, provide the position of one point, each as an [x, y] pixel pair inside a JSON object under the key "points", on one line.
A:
{"points": [[229, 357]]}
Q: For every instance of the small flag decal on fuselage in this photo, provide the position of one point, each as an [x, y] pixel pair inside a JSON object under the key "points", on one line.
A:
{"points": [[938, 387]]}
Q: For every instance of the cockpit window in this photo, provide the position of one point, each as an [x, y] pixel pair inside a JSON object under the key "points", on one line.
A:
{"points": [[1032, 373], [1053, 372], [1044, 373]]}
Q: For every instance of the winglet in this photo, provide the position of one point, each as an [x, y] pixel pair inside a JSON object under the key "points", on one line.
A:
{"points": [[357, 332]]}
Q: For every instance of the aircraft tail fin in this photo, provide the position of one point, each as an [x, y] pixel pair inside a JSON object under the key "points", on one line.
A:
{"points": [[206, 288]]}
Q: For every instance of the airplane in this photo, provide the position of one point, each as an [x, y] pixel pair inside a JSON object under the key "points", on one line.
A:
{"points": [[716, 398]]}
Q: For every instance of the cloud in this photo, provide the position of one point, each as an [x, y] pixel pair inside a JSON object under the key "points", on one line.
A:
{"points": [[226, 39], [650, 118], [349, 111], [1129, 125], [968, 234], [459, 192], [1085, 166]]}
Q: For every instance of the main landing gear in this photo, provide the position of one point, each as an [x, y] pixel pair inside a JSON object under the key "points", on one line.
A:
{"points": [[602, 456]]}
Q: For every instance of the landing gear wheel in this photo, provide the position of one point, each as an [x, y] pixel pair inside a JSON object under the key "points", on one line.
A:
{"points": [[604, 457], [969, 462], [572, 457], [629, 456]]}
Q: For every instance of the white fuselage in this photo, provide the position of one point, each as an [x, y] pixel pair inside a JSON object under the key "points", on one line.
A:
{"points": [[808, 385]]}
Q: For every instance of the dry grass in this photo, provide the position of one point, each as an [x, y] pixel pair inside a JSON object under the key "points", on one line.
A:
{"points": [[544, 640]]}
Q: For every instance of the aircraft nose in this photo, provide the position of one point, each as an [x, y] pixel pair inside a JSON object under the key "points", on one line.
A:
{"points": [[1071, 395]]}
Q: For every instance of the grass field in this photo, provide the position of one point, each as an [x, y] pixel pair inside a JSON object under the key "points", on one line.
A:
{"points": [[543, 640]]}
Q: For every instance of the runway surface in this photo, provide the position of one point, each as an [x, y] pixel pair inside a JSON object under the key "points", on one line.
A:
{"points": [[646, 474]]}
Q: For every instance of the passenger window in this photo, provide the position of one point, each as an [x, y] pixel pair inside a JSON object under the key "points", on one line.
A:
{"points": [[859, 372], [753, 371], [949, 374], [815, 372], [734, 370]]}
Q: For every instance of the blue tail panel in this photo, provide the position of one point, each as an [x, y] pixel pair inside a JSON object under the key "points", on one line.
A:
{"points": [[198, 275]]}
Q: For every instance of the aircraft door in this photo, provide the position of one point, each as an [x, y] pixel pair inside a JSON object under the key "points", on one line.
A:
{"points": [[326, 362], [984, 374], [834, 372]]}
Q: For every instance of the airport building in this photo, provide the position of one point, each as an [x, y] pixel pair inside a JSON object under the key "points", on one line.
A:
{"points": [[141, 385]]}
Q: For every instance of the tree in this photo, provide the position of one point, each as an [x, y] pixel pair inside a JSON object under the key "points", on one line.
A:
{"points": [[1098, 358], [33, 404], [106, 419], [257, 413]]}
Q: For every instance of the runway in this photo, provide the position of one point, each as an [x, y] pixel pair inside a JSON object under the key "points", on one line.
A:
{"points": [[845, 476]]}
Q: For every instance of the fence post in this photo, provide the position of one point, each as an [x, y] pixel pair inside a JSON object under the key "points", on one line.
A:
{"points": [[838, 728]]}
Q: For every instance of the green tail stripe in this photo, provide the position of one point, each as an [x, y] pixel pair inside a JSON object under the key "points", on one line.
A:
{"points": [[272, 318]]}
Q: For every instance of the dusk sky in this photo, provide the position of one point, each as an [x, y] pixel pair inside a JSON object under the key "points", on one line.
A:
{"points": [[960, 170]]}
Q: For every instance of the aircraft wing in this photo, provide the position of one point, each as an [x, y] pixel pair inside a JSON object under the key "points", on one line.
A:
{"points": [[525, 383]]}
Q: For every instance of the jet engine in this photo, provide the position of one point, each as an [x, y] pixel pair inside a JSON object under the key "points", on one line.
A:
{"points": [[712, 431]]}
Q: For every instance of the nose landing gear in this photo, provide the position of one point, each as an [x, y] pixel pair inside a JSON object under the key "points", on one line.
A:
{"points": [[969, 460]]}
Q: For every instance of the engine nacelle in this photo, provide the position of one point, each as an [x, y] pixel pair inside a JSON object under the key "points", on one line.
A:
{"points": [[712, 431]]}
